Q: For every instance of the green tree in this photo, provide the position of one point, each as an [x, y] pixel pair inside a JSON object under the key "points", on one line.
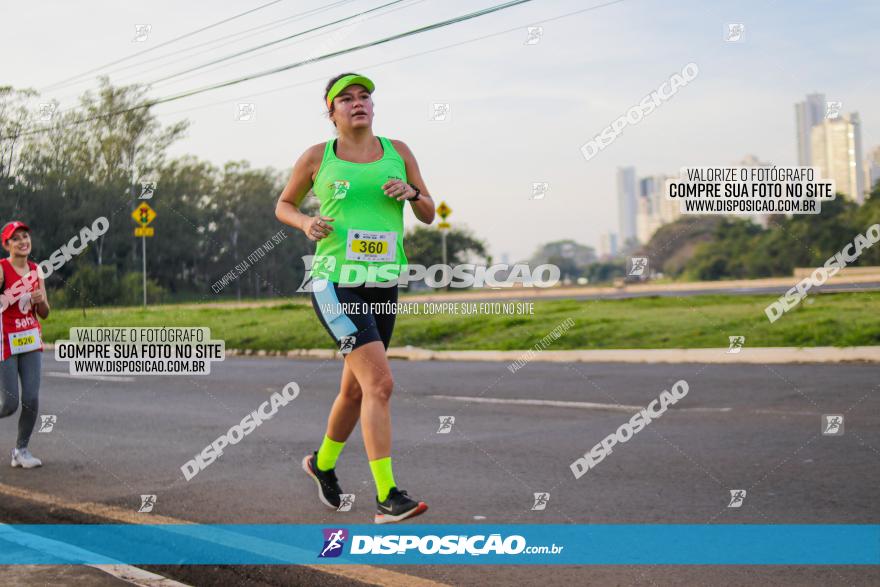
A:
{"points": [[424, 246]]}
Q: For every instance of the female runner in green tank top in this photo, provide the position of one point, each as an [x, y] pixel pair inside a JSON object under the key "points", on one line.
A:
{"points": [[362, 183]]}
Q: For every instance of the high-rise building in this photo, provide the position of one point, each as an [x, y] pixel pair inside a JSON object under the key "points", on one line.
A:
{"points": [[808, 114], [607, 246], [653, 209], [872, 169], [837, 152], [646, 222], [626, 203], [753, 161]]}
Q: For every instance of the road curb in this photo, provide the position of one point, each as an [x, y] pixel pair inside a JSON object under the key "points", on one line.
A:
{"points": [[755, 355], [746, 355]]}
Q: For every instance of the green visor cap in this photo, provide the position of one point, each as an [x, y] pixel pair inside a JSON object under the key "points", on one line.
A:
{"points": [[346, 81]]}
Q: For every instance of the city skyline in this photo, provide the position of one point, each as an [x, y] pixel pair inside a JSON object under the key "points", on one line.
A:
{"points": [[830, 141]]}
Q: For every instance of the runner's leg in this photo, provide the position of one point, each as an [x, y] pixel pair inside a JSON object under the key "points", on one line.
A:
{"points": [[370, 366], [346, 409], [29, 367], [343, 418], [8, 386]]}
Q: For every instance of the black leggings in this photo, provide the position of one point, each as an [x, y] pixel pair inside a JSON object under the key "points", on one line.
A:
{"points": [[26, 367]]}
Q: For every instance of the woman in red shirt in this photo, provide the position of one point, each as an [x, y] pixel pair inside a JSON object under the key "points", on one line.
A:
{"points": [[22, 299]]}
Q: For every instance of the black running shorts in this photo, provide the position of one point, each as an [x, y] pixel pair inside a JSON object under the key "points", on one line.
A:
{"points": [[354, 316]]}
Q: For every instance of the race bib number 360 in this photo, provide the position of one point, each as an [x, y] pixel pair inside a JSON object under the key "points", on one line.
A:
{"points": [[25, 341], [366, 245]]}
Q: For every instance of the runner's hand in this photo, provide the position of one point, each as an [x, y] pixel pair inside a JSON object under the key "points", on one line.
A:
{"points": [[318, 227], [397, 189], [37, 297]]}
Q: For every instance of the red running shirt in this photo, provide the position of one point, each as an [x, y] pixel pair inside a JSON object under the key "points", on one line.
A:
{"points": [[19, 327]]}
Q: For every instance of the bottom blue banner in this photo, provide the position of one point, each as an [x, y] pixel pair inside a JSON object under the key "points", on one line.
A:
{"points": [[607, 544]]}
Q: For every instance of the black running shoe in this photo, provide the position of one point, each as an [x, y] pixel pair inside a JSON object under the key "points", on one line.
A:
{"points": [[397, 507], [328, 486]]}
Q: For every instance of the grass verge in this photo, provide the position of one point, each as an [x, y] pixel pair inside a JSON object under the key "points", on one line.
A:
{"points": [[840, 319]]}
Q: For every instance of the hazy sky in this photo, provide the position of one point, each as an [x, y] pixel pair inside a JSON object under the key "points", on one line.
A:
{"points": [[518, 113]]}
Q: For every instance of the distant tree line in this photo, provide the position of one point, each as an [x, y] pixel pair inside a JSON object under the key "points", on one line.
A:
{"points": [[87, 164], [715, 247]]}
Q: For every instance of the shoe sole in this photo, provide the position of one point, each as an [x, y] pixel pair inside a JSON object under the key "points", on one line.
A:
{"points": [[389, 519], [16, 464], [308, 470]]}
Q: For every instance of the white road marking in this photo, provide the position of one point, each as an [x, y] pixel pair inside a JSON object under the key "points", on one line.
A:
{"points": [[363, 573], [138, 576], [565, 404], [117, 378], [785, 412], [128, 573]]}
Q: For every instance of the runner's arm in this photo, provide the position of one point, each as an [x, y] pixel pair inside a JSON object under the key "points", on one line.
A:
{"points": [[423, 208], [42, 307], [287, 208]]}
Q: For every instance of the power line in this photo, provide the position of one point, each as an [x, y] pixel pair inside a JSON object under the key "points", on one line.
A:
{"points": [[174, 40], [270, 43], [367, 67], [412, 3], [275, 70], [266, 26], [398, 59], [266, 52]]}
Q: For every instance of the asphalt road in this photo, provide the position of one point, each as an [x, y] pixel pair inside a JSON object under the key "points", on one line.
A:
{"points": [[116, 440]]}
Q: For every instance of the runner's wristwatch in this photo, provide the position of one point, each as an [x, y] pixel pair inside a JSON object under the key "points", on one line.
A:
{"points": [[415, 197]]}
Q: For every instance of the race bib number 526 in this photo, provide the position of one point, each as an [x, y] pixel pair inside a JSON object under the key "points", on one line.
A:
{"points": [[25, 341]]}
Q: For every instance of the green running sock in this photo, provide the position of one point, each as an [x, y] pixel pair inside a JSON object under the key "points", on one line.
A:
{"points": [[328, 453], [381, 469]]}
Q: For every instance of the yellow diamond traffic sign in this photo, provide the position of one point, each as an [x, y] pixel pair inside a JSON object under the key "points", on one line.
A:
{"points": [[143, 214], [443, 210]]}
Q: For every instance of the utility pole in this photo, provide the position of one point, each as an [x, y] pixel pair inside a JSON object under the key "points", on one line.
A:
{"points": [[444, 211]]}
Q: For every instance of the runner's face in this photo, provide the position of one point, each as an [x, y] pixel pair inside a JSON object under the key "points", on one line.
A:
{"points": [[19, 244], [353, 108]]}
